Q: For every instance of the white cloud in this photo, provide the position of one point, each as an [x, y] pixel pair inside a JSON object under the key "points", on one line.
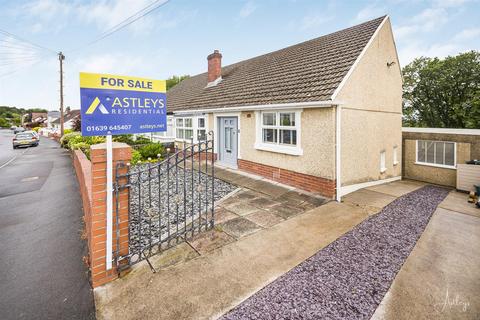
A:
{"points": [[450, 3], [48, 10], [105, 14], [426, 21], [247, 9], [431, 18], [314, 20], [467, 34], [117, 63], [368, 13], [417, 49]]}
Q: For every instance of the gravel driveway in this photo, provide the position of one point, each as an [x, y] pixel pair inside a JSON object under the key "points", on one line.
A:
{"points": [[348, 278], [163, 202]]}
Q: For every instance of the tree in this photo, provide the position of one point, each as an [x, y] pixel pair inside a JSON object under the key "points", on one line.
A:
{"points": [[442, 93], [77, 124], [174, 80]]}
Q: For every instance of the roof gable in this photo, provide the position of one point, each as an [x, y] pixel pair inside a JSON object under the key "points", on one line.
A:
{"points": [[306, 72]]}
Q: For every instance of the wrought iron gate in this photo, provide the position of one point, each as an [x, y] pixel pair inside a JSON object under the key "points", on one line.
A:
{"points": [[169, 200]]}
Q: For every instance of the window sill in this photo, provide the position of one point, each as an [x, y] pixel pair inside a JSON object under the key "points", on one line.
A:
{"points": [[294, 151], [395, 163], [436, 165], [383, 170]]}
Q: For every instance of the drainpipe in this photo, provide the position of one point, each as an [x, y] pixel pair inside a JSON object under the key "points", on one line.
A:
{"points": [[338, 121]]}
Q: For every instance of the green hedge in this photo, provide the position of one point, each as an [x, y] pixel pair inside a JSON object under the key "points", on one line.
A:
{"points": [[148, 150]]}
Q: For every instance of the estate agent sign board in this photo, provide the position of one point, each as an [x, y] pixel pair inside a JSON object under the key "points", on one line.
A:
{"points": [[113, 105]]}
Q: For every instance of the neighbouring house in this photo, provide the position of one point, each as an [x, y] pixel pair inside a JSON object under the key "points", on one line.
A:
{"points": [[324, 115], [167, 136], [68, 120], [39, 119], [439, 156], [51, 116]]}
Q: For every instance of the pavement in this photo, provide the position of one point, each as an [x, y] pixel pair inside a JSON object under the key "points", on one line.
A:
{"points": [[43, 276]]}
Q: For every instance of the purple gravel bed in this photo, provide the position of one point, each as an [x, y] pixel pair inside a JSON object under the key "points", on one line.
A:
{"points": [[348, 278]]}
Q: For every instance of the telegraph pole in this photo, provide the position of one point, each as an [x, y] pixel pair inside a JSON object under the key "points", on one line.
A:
{"points": [[61, 57]]}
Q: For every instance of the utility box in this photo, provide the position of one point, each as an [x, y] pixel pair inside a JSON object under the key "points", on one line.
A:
{"points": [[468, 176]]}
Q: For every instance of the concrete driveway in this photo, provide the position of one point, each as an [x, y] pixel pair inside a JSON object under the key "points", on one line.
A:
{"points": [[193, 283], [441, 277], [42, 273]]}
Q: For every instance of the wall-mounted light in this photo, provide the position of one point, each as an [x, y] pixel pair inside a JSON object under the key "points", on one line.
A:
{"points": [[389, 64]]}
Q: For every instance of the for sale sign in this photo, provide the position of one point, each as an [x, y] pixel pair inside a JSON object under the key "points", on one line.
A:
{"points": [[120, 104]]}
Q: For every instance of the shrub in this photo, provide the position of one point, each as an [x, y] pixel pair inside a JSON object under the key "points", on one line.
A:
{"points": [[67, 131], [151, 150], [125, 138], [141, 140], [83, 146], [136, 157], [74, 140], [66, 138]]}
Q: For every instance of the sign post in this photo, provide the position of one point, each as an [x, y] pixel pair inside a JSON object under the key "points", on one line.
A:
{"points": [[113, 105]]}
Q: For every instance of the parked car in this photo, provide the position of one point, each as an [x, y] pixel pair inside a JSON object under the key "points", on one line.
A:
{"points": [[13, 127], [34, 133], [18, 129], [25, 139]]}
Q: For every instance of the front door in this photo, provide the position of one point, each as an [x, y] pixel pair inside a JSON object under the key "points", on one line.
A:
{"points": [[227, 141]]}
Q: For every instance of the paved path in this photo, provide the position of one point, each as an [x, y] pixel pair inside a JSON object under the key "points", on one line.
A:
{"points": [[42, 275]]}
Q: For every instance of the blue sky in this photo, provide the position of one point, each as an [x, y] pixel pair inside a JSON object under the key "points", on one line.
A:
{"points": [[177, 38]]}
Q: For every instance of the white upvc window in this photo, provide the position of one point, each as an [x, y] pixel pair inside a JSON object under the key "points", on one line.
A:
{"points": [[436, 153], [279, 131], [383, 166], [201, 129], [190, 127], [395, 155], [184, 127]]}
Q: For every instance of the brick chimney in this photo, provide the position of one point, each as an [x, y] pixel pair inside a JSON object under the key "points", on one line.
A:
{"points": [[214, 66]]}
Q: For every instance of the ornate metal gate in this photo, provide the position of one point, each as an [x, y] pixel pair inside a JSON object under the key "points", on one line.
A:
{"points": [[169, 200]]}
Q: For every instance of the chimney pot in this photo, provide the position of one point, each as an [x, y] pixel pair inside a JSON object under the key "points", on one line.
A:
{"points": [[214, 66]]}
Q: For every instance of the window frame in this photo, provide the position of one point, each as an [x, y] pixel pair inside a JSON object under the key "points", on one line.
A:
{"points": [[278, 147], [383, 161], [395, 155], [195, 127], [445, 166]]}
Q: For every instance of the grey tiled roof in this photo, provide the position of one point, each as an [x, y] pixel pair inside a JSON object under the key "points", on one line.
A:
{"points": [[308, 71], [68, 116]]}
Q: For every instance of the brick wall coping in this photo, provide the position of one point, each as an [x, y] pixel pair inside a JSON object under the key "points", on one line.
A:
{"points": [[83, 168]]}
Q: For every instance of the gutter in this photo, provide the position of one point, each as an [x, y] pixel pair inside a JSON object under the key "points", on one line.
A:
{"points": [[294, 105]]}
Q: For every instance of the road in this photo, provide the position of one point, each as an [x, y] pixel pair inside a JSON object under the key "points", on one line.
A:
{"points": [[42, 275], [7, 153]]}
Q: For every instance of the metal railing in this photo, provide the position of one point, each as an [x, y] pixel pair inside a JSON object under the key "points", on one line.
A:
{"points": [[169, 201]]}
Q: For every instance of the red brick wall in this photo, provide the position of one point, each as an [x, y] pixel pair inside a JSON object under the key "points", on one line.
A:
{"points": [[306, 182], [121, 153], [83, 170], [92, 181], [204, 155]]}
